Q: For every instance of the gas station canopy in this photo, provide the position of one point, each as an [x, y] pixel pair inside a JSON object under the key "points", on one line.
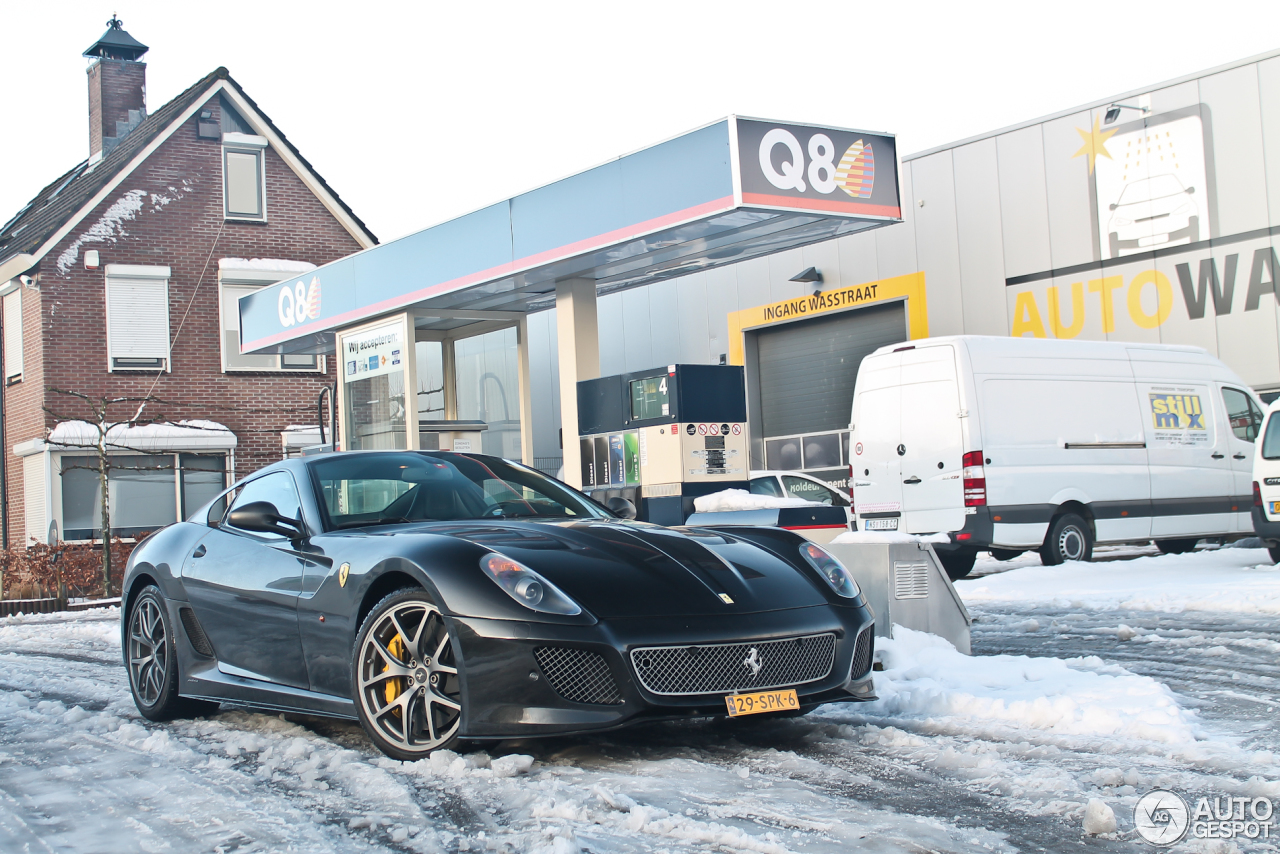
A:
{"points": [[726, 192]]}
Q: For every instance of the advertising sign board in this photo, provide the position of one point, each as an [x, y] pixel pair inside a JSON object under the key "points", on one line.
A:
{"points": [[373, 352], [804, 167]]}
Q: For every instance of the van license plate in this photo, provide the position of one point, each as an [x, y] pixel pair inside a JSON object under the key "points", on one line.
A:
{"points": [[880, 524], [1275, 507], [761, 702]]}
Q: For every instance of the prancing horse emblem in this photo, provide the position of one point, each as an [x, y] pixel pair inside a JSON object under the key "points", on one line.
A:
{"points": [[342, 574], [752, 661]]}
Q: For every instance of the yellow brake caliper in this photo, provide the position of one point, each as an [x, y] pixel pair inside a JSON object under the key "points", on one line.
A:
{"points": [[395, 685]]}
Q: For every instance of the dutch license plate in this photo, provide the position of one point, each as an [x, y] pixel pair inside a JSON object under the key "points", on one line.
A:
{"points": [[762, 701], [1275, 507], [880, 524]]}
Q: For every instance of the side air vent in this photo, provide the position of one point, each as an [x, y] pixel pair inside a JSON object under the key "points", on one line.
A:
{"points": [[863, 650], [195, 632], [578, 675]]}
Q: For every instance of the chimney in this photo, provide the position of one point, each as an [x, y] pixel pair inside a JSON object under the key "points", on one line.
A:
{"points": [[117, 88]]}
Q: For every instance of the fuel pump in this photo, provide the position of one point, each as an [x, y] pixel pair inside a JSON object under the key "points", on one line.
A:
{"points": [[660, 438]]}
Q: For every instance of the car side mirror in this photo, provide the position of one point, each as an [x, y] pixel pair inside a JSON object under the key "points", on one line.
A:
{"points": [[262, 516], [620, 506], [1112, 206], [1191, 191]]}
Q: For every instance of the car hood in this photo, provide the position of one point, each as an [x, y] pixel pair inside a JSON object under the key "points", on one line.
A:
{"points": [[631, 569]]}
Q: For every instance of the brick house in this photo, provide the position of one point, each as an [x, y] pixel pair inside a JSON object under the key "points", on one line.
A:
{"points": [[120, 279]]}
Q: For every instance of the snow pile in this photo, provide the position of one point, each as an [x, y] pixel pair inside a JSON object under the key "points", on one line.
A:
{"points": [[925, 678], [1236, 580], [82, 434], [266, 265], [888, 537], [739, 499]]}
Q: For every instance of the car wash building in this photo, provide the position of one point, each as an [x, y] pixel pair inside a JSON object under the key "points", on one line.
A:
{"points": [[1147, 216]]}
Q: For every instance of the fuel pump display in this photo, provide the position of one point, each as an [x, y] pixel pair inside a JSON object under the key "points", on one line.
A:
{"points": [[662, 437]]}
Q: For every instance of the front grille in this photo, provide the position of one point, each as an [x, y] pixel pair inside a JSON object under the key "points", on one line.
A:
{"points": [[863, 650], [718, 668], [578, 675], [195, 632]]}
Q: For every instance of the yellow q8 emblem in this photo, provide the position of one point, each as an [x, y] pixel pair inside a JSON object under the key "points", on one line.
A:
{"points": [[343, 571]]}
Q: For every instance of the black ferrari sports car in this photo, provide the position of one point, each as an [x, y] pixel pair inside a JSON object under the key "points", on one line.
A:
{"points": [[439, 596]]}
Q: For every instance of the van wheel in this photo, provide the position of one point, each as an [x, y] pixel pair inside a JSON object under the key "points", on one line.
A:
{"points": [[1070, 538], [1005, 554], [959, 564], [1176, 547]]}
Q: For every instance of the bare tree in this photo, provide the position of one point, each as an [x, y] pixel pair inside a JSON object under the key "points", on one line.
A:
{"points": [[104, 416]]}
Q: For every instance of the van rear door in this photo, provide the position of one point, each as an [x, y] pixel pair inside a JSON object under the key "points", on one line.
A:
{"points": [[905, 423], [875, 427], [932, 490]]}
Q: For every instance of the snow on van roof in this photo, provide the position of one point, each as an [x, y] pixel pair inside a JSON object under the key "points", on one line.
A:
{"points": [[1000, 344]]}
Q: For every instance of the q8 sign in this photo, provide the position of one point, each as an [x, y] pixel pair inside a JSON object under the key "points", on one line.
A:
{"points": [[807, 168]]}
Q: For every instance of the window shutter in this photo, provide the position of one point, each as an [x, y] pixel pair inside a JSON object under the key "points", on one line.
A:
{"points": [[137, 321], [13, 335]]}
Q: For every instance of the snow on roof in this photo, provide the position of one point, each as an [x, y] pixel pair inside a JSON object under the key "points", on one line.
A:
{"points": [[268, 265], [739, 499], [193, 434]]}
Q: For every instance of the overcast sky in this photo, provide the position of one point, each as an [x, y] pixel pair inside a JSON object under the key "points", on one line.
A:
{"points": [[417, 112]]}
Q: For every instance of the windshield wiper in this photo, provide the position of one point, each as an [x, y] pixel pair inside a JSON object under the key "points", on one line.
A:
{"points": [[390, 520]]}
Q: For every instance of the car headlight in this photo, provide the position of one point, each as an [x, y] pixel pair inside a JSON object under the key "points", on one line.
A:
{"points": [[831, 570], [527, 587]]}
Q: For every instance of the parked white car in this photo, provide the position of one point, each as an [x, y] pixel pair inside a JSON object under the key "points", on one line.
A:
{"points": [[1013, 444], [797, 484], [1266, 484]]}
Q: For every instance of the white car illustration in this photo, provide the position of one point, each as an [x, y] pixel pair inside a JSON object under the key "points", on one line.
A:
{"points": [[1153, 212]]}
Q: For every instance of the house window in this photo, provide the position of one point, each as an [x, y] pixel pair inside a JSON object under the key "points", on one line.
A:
{"points": [[243, 179], [12, 332], [240, 282], [137, 318], [147, 491]]}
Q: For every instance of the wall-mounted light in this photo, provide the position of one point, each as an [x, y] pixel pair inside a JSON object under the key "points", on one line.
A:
{"points": [[810, 274], [91, 261], [1113, 112]]}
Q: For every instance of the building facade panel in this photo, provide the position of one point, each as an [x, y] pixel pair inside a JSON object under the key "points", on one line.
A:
{"points": [[980, 244]]}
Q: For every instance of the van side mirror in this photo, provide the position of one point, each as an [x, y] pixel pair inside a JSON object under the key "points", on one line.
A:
{"points": [[263, 517], [621, 507]]}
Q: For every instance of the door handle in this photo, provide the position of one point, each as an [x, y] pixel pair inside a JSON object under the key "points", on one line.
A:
{"points": [[912, 479], [1237, 456], [1217, 456], [200, 551]]}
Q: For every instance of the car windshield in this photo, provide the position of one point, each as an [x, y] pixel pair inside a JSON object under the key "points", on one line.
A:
{"points": [[380, 488], [1158, 187]]}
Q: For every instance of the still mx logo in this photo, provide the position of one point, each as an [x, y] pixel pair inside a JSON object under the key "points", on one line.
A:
{"points": [[1177, 412]]}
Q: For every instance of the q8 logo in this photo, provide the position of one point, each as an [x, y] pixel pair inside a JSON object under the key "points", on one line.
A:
{"points": [[855, 174]]}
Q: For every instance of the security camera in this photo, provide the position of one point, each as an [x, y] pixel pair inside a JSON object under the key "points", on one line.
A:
{"points": [[25, 280]]}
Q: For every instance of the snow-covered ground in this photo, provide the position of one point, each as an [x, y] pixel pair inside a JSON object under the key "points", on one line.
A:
{"points": [[1088, 683]]}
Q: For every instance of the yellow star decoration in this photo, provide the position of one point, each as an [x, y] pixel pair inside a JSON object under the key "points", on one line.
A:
{"points": [[1095, 143]]}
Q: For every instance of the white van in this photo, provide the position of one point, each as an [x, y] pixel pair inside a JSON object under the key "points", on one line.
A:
{"points": [[1013, 444], [1266, 484]]}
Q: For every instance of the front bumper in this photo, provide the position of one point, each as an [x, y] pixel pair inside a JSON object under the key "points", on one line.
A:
{"points": [[1267, 531], [508, 695]]}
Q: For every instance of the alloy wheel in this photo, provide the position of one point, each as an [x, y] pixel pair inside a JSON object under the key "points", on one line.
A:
{"points": [[408, 678], [148, 652]]}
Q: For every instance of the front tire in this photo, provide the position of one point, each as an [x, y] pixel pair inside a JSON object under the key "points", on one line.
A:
{"points": [[152, 656], [1070, 538], [405, 677]]}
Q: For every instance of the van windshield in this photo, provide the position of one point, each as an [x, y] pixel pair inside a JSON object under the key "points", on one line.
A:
{"points": [[1271, 439]]}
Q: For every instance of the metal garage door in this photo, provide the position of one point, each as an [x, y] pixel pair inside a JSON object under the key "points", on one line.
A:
{"points": [[808, 368]]}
